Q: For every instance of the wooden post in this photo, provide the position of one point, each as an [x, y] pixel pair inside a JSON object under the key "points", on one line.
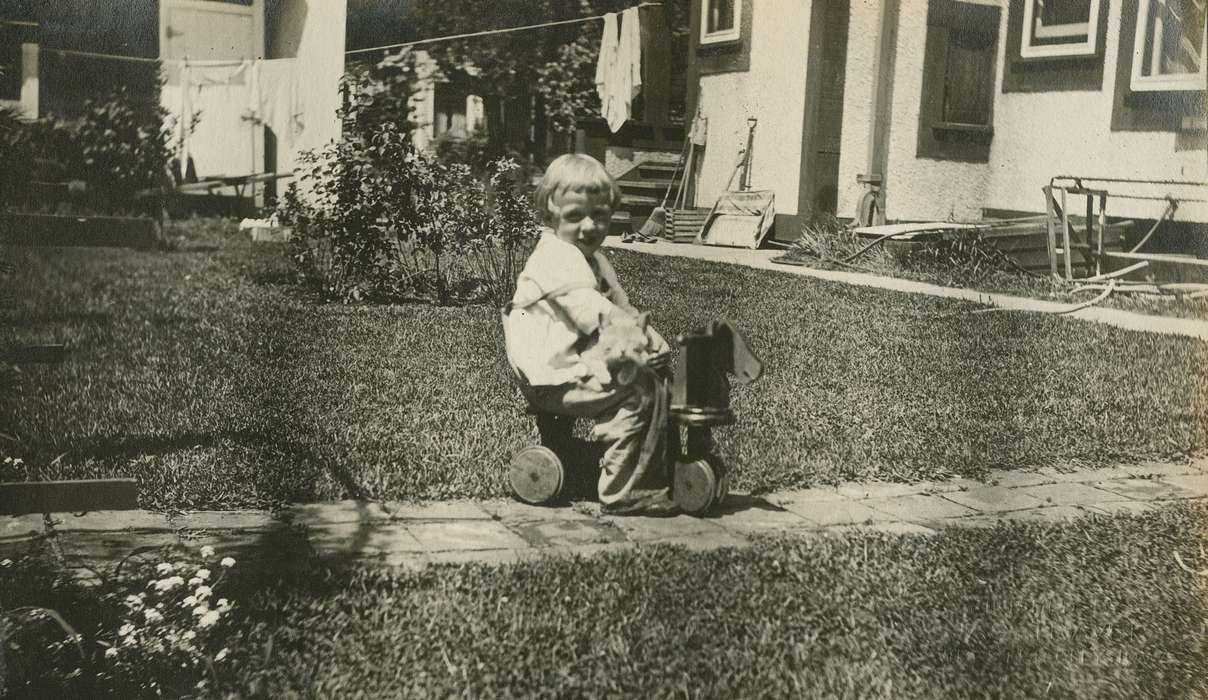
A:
{"points": [[1102, 230], [1065, 237], [1048, 204], [1090, 234]]}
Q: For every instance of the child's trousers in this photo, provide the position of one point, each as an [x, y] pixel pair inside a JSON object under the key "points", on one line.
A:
{"points": [[626, 417]]}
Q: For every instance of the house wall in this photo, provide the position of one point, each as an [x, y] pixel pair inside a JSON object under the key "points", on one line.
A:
{"points": [[1041, 134], [1037, 134], [773, 91], [313, 32], [917, 188]]}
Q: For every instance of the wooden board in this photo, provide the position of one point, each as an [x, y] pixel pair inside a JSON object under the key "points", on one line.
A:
{"points": [[22, 497]]}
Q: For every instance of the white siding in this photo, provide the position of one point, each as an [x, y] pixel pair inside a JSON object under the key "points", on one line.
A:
{"points": [[1041, 134], [773, 91]]}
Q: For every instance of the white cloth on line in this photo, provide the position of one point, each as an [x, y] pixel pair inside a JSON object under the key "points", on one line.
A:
{"points": [[202, 89], [278, 100], [607, 61], [619, 68]]}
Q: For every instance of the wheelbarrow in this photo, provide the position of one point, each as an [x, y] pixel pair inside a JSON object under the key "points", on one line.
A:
{"points": [[700, 401]]}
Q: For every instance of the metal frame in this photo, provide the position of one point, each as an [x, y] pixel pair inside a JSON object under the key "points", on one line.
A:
{"points": [[1057, 213]]}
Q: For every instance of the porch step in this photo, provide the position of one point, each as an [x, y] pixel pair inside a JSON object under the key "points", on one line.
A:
{"points": [[656, 184]]}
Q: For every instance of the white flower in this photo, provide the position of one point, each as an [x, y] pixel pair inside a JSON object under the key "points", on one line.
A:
{"points": [[207, 551], [110, 652], [222, 654], [169, 583], [126, 630], [194, 581], [152, 616], [201, 609], [203, 592], [228, 562], [208, 619], [188, 602], [190, 634], [224, 605], [18, 462], [134, 601], [6, 563], [203, 574], [164, 568]]}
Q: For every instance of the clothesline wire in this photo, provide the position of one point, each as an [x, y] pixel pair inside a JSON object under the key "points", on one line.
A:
{"points": [[488, 32], [387, 47]]}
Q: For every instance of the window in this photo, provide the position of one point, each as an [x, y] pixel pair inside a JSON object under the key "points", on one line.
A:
{"points": [[719, 20], [1169, 46], [956, 112], [1059, 28]]}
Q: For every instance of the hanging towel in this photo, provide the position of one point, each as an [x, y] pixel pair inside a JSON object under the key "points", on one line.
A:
{"points": [[206, 92], [607, 61], [619, 70], [278, 100], [629, 59]]}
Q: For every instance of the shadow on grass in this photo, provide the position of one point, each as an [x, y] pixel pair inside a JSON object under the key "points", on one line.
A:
{"points": [[26, 322], [281, 457]]}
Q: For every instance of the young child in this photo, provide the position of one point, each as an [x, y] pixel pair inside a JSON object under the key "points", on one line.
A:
{"points": [[565, 294]]}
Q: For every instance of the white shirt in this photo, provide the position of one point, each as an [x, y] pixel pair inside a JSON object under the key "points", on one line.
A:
{"points": [[541, 340]]}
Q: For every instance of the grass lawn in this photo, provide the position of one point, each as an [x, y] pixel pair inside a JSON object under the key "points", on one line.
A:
{"points": [[204, 374], [1093, 609]]}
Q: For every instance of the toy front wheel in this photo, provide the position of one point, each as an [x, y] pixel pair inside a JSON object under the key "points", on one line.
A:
{"points": [[696, 486], [536, 475]]}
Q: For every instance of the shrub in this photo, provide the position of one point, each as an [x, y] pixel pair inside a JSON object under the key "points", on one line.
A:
{"points": [[17, 154], [375, 220], [117, 146]]}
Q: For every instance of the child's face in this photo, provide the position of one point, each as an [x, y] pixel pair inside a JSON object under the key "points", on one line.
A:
{"points": [[581, 218]]}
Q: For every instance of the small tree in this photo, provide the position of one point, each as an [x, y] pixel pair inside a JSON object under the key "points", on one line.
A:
{"points": [[380, 221]]}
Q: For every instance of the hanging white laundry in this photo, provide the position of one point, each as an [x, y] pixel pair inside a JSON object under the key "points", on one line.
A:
{"points": [[606, 63], [279, 101], [212, 134], [629, 58], [619, 69]]}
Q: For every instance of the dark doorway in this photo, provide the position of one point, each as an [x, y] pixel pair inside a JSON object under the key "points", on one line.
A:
{"points": [[823, 128]]}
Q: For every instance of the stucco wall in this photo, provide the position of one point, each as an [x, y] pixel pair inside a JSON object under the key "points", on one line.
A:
{"points": [[313, 31], [1036, 134], [773, 91], [917, 188], [1041, 134]]}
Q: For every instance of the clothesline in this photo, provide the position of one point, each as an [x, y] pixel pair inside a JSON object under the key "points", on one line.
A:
{"points": [[488, 32], [451, 37]]}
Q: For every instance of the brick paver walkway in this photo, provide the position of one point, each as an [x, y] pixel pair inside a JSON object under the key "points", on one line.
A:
{"points": [[762, 260], [414, 535]]}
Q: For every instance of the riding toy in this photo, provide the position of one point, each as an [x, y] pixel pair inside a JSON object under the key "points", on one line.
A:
{"points": [[699, 402]]}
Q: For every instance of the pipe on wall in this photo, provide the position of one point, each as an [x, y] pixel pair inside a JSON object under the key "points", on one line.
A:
{"points": [[872, 205]]}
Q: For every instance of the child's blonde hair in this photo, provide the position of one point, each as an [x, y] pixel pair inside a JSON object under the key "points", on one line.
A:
{"points": [[574, 172]]}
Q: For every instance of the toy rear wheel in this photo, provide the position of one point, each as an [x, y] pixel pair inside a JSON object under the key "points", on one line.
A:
{"points": [[536, 475]]}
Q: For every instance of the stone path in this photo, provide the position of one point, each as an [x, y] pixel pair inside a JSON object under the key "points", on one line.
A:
{"points": [[762, 260], [415, 535]]}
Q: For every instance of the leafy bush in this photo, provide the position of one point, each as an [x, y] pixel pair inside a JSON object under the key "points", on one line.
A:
{"points": [[118, 145], [379, 221], [17, 154]]}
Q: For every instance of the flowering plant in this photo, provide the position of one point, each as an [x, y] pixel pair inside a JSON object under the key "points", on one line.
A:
{"points": [[177, 618], [149, 626]]}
